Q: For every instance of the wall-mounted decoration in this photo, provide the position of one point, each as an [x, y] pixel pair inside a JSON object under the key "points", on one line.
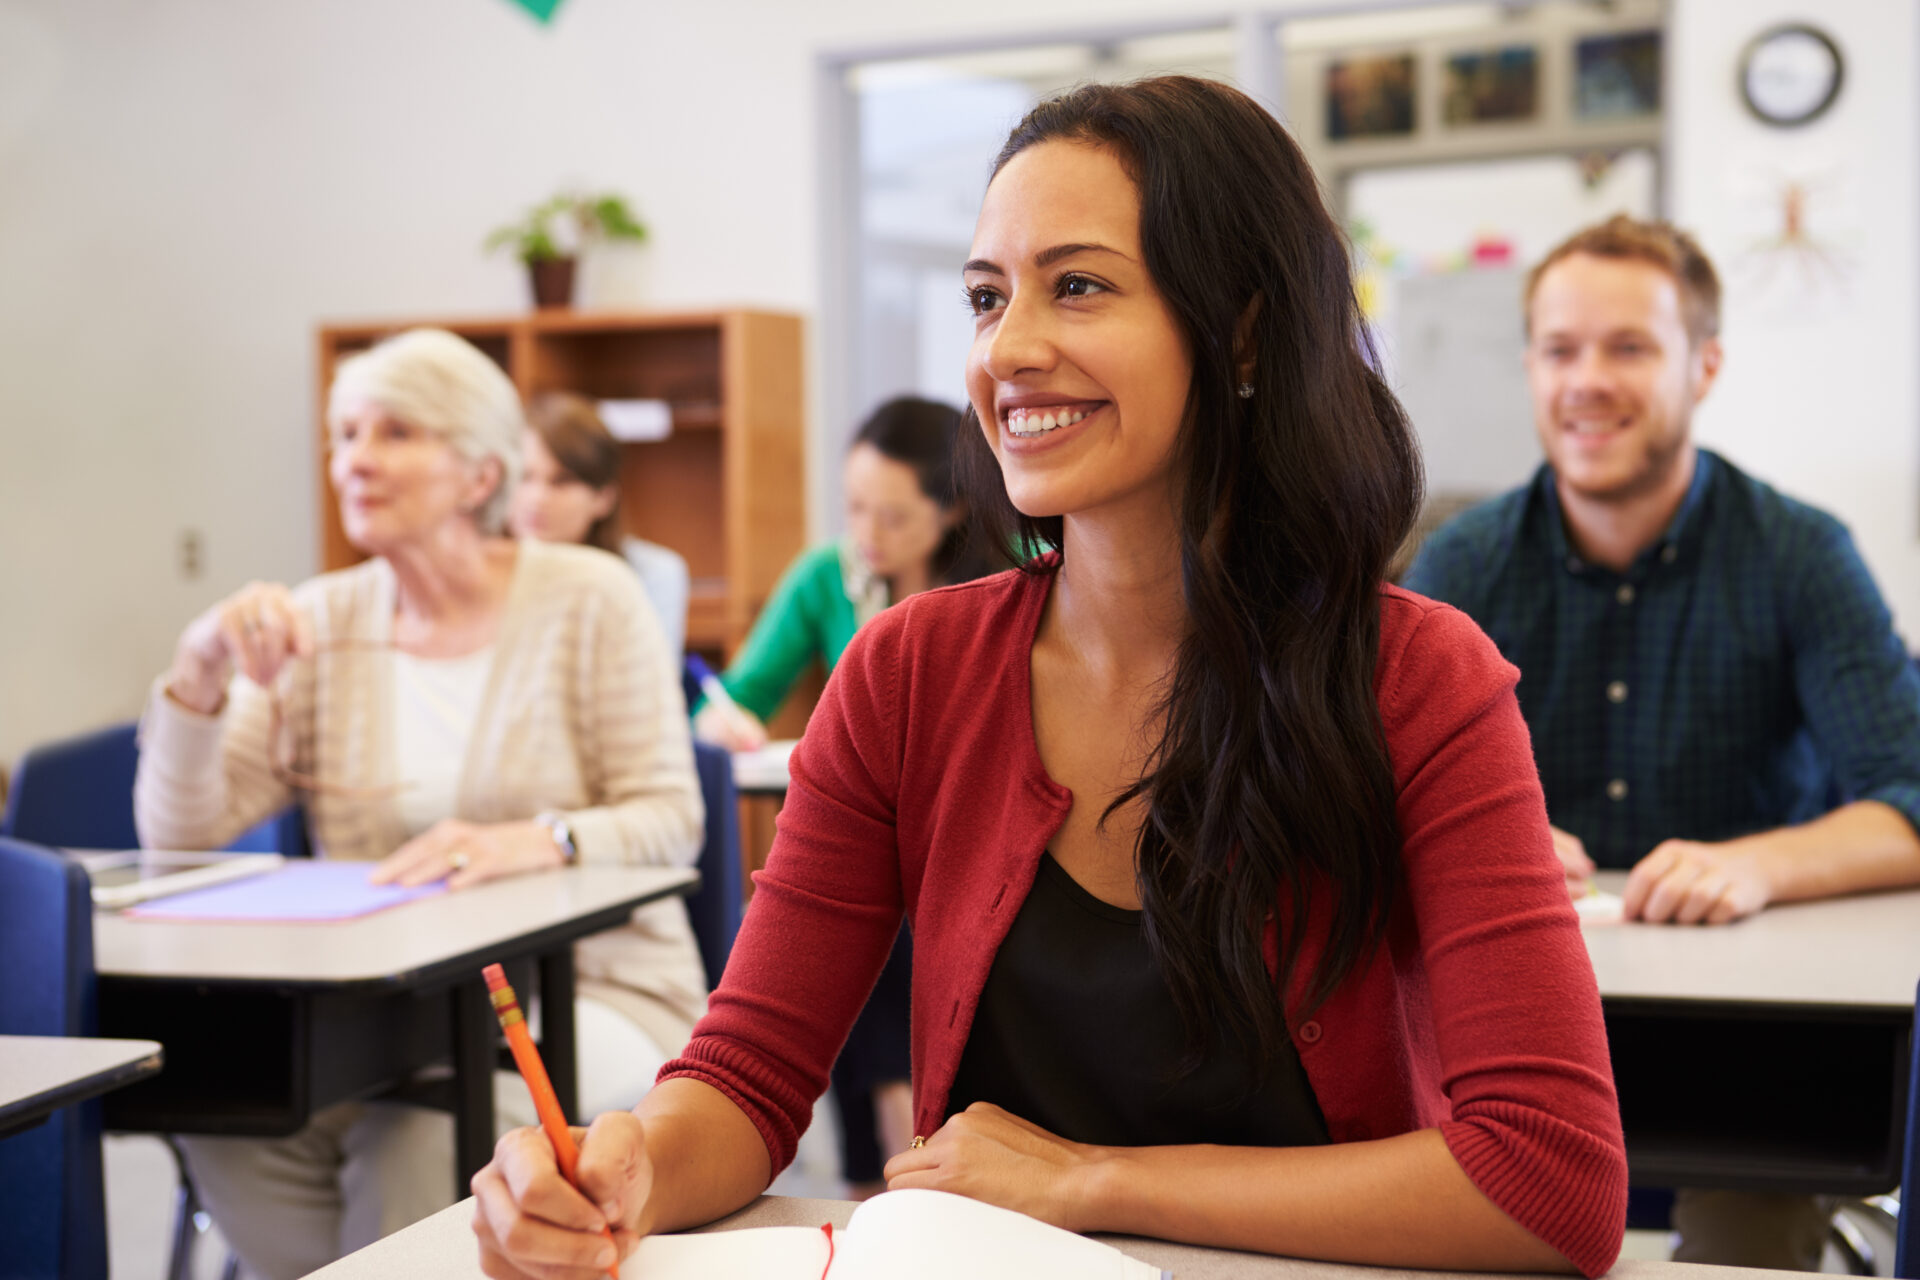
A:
{"points": [[542, 10], [1595, 164], [1491, 85], [1791, 74], [1616, 76], [1794, 223], [1370, 97]]}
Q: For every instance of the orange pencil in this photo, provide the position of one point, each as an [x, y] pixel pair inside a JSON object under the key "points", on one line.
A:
{"points": [[534, 1072]]}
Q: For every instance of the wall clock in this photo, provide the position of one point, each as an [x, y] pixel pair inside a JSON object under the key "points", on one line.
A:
{"points": [[1791, 74]]}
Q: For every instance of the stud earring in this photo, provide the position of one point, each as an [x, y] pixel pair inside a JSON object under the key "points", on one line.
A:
{"points": [[1246, 391]]}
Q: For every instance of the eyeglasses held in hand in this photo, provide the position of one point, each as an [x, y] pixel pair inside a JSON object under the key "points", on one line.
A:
{"points": [[280, 745]]}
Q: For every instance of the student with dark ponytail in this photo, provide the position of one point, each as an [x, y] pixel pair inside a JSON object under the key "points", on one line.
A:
{"points": [[1237, 919]]}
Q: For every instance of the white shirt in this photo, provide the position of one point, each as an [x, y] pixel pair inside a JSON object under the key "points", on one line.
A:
{"points": [[435, 701], [663, 576]]}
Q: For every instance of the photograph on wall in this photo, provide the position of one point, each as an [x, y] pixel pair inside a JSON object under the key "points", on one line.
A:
{"points": [[1370, 98], [1616, 76], [1491, 85]]}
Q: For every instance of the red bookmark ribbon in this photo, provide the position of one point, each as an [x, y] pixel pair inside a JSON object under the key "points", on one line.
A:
{"points": [[828, 1228]]}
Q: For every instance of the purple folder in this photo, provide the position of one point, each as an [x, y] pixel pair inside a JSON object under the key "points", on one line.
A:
{"points": [[302, 890]]}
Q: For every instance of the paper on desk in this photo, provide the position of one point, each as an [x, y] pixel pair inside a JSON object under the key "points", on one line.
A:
{"points": [[1597, 907], [303, 890], [930, 1235], [765, 768]]}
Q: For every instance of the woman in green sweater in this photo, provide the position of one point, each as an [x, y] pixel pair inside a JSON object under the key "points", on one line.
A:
{"points": [[905, 533]]}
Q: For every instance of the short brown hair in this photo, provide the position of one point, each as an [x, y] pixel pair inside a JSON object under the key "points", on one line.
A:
{"points": [[1660, 243], [579, 441]]}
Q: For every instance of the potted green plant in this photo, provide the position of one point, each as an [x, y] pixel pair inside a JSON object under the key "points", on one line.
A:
{"points": [[550, 236]]}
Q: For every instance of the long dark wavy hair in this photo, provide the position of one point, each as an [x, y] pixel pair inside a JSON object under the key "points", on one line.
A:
{"points": [[1270, 784]]}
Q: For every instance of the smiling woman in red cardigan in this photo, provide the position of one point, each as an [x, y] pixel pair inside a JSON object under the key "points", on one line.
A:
{"points": [[1236, 915]]}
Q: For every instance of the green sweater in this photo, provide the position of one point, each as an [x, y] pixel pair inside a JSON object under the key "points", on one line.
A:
{"points": [[808, 616]]}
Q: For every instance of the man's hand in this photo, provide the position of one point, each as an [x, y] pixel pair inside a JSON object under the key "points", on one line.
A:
{"points": [[1690, 882], [1573, 860]]}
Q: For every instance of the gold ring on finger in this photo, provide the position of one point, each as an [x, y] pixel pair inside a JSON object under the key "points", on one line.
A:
{"points": [[458, 860]]}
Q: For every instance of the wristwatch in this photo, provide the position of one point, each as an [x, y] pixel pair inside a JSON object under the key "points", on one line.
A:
{"points": [[562, 834]]}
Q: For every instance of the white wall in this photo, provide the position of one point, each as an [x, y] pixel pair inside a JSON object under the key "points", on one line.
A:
{"points": [[1821, 390], [188, 186]]}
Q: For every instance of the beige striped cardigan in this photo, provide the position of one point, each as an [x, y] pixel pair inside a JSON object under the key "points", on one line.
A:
{"points": [[582, 714]]}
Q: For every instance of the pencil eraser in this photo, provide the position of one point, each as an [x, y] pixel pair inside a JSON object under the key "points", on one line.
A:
{"points": [[496, 977]]}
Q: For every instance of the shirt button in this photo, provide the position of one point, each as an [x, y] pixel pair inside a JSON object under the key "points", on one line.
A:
{"points": [[1574, 565], [1625, 594], [1310, 1032], [1669, 553], [1617, 691], [1617, 789]]}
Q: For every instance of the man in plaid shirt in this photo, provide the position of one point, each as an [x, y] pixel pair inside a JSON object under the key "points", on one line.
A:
{"points": [[1715, 691]]}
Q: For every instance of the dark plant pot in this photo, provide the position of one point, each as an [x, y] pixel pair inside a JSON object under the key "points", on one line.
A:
{"points": [[552, 282]]}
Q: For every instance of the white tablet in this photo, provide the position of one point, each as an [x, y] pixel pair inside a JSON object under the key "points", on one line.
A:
{"points": [[122, 877]]}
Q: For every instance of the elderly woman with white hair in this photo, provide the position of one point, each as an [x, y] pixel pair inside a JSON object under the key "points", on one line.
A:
{"points": [[459, 706]]}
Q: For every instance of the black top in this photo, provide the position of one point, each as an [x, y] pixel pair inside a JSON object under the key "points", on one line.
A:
{"points": [[1077, 1032]]}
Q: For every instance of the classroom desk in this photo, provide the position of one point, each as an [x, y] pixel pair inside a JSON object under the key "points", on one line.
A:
{"points": [[763, 772], [1770, 1054], [41, 1074], [265, 1024], [442, 1248], [761, 779]]}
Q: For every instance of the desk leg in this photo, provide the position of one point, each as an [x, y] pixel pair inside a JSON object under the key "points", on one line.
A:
{"points": [[558, 1047], [758, 814], [474, 1024]]}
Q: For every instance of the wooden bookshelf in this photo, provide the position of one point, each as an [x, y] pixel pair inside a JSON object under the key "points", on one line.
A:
{"points": [[726, 489]]}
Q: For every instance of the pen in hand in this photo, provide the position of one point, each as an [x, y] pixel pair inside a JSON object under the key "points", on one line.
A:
{"points": [[747, 733], [553, 1121]]}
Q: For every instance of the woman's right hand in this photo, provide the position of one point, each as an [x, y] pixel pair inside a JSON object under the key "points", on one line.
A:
{"points": [[531, 1223], [256, 629], [734, 728]]}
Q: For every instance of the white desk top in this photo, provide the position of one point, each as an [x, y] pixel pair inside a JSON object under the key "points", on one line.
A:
{"points": [[1861, 951], [391, 946], [41, 1073], [764, 771], [442, 1248]]}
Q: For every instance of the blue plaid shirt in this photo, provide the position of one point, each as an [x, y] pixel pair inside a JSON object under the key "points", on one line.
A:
{"points": [[1743, 674]]}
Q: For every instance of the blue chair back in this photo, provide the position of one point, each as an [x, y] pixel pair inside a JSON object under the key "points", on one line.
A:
{"points": [[1906, 1253], [55, 1223], [78, 794], [715, 908]]}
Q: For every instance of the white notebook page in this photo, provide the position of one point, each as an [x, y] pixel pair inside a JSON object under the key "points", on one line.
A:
{"points": [[929, 1235], [949, 1237], [761, 1253]]}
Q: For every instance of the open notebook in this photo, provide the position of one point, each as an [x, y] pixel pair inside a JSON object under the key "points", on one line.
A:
{"points": [[929, 1235]]}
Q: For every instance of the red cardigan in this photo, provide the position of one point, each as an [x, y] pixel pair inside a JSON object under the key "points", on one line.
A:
{"points": [[918, 787]]}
